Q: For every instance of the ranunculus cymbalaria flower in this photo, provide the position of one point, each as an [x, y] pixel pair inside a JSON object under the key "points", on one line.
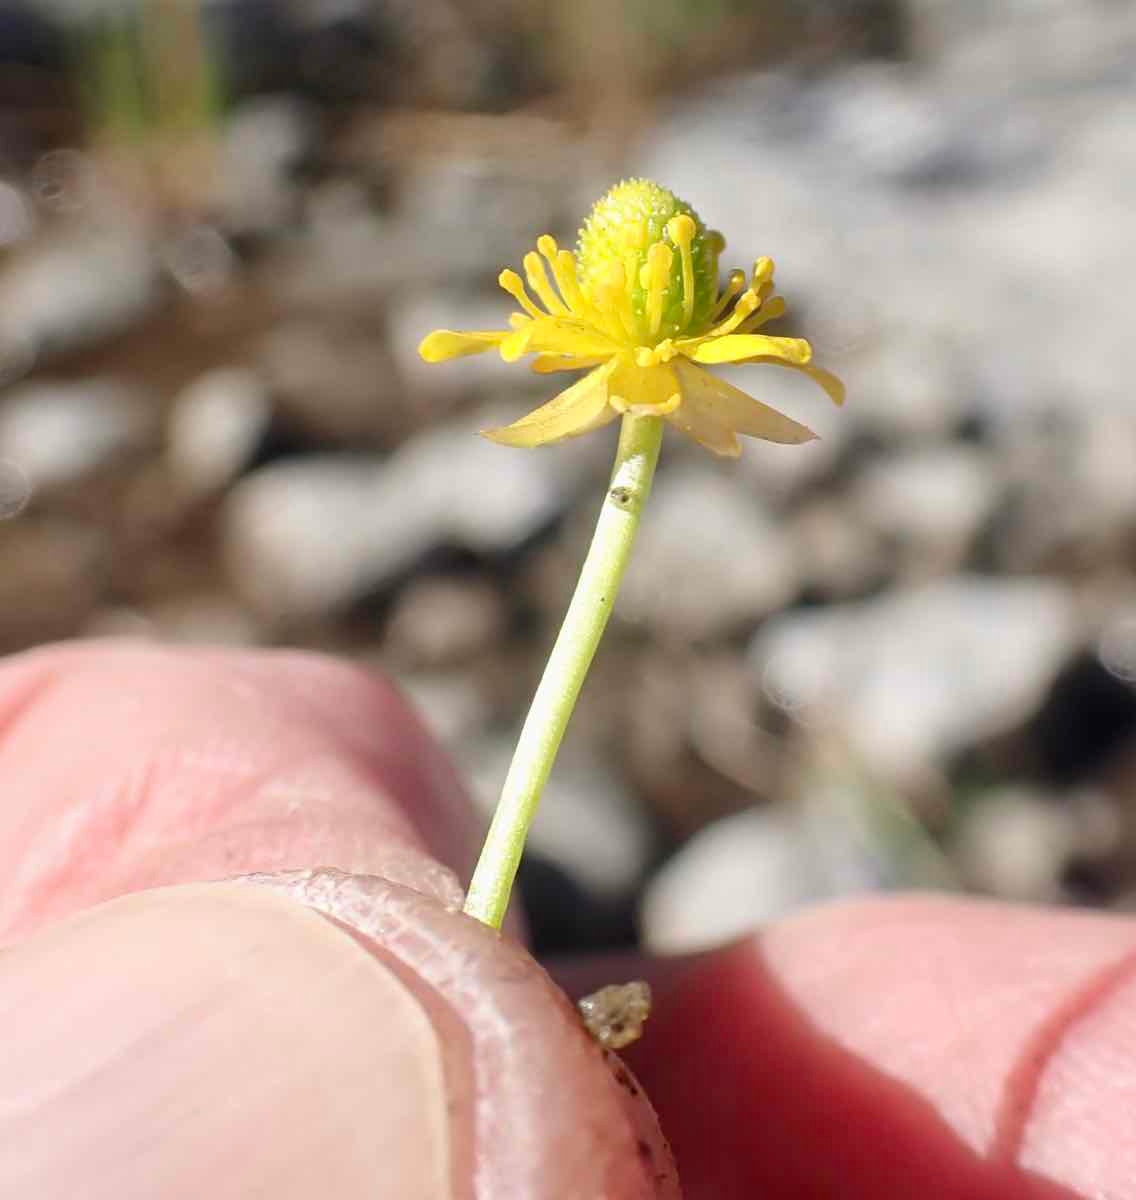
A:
{"points": [[639, 305]]}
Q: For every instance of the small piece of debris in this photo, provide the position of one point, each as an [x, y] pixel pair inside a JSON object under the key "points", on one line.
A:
{"points": [[615, 1014]]}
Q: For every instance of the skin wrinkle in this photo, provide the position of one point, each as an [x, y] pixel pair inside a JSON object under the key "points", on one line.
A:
{"points": [[1023, 1086], [20, 700]]}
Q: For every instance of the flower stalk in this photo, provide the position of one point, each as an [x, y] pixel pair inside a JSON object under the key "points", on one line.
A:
{"points": [[639, 440]]}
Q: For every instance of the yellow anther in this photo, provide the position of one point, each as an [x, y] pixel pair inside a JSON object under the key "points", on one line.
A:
{"points": [[512, 283], [657, 272], [734, 285], [762, 273], [518, 320], [538, 280], [681, 231]]}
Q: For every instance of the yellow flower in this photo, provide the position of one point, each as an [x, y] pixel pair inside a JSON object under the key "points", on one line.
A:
{"points": [[639, 304]]}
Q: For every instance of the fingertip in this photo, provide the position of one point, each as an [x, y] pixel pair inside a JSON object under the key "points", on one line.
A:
{"points": [[877, 1048], [227, 1040]]}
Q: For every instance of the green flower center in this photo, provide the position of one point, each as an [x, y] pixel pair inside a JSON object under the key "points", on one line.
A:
{"points": [[644, 247]]}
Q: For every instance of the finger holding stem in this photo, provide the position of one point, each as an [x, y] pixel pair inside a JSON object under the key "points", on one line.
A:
{"points": [[639, 440]]}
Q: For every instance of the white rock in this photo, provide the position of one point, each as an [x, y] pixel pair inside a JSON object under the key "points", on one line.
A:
{"points": [[840, 557], [1013, 843], [708, 557], [333, 383], [58, 432], [76, 290], [907, 385], [936, 501], [737, 874], [217, 423], [450, 703], [891, 126], [17, 221], [913, 676], [492, 499], [437, 620], [307, 536], [265, 139]]}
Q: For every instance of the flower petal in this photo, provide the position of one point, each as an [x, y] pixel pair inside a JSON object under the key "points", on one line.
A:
{"points": [[644, 391], [557, 335], [735, 410], [705, 429], [819, 376], [735, 347], [448, 343], [578, 409], [545, 364]]}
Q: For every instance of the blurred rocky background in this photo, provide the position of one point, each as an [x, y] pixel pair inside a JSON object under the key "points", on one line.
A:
{"points": [[904, 655]]}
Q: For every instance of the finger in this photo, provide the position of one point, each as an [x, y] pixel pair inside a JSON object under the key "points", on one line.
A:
{"points": [[127, 766], [921, 1047], [222, 1040]]}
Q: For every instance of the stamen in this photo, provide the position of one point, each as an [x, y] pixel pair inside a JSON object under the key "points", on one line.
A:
{"points": [[769, 310], [746, 304], [512, 283], [762, 273], [615, 298], [734, 285], [717, 245], [651, 356], [538, 280], [681, 230], [660, 257], [564, 269], [565, 276], [631, 275]]}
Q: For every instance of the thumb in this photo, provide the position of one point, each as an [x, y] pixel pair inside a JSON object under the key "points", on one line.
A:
{"points": [[221, 1040]]}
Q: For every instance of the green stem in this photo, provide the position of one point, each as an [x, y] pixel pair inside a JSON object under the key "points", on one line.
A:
{"points": [[584, 623]]}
